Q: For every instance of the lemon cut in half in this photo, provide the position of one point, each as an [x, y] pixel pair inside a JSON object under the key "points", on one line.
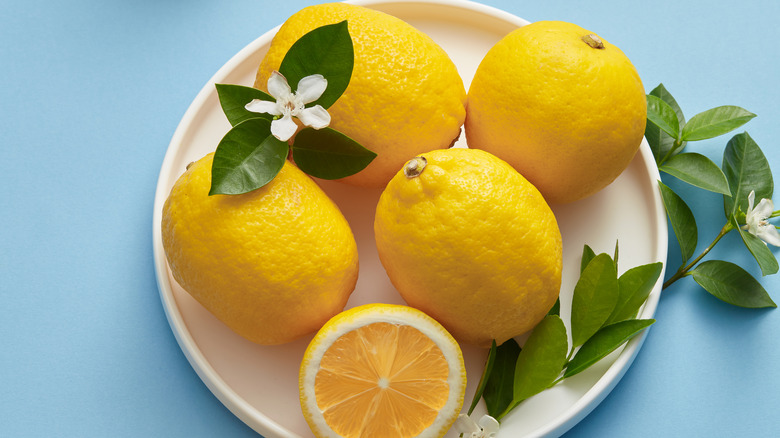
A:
{"points": [[382, 370]]}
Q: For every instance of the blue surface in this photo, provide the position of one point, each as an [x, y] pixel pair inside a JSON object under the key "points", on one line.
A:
{"points": [[90, 95]]}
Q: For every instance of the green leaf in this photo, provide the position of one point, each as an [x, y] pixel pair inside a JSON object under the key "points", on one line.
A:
{"points": [[682, 220], [594, 299], [763, 255], [542, 358], [635, 286], [587, 256], [500, 384], [326, 50], [329, 154], [486, 372], [697, 170], [660, 142], [662, 115], [248, 157], [715, 122], [605, 341], [556, 308], [747, 169], [233, 98], [732, 284]]}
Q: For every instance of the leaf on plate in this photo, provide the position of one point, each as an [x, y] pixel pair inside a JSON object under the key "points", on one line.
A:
{"points": [[233, 99], [746, 169], [541, 360], [662, 115], [731, 284], [486, 373], [587, 255], [697, 170], [715, 122], [328, 154], [760, 251], [499, 384], [682, 220], [326, 50], [660, 142], [635, 286], [594, 299], [605, 341], [247, 158]]}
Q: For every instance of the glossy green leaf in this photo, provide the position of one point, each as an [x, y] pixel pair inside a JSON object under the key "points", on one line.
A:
{"points": [[715, 122], [732, 284], [326, 50], [746, 169], [662, 115], [556, 308], [594, 299], [605, 341], [697, 170], [635, 286], [587, 255], [763, 255], [247, 158], [499, 387], [682, 220], [233, 98], [486, 372], [542, 358], [329, 154], [660, 142]]}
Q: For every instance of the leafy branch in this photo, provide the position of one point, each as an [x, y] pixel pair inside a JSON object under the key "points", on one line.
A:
{"points": [[744, 170]]}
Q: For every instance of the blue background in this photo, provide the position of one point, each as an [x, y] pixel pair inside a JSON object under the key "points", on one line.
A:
{"points": [[90, 95]]}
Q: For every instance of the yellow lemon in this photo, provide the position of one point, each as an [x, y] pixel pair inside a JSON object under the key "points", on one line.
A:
{"points": [[469, 241], [273, 264], [563, 106], [405, 96], [382, 371]]}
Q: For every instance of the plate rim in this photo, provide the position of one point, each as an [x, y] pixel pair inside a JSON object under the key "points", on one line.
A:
{"points": [[260, 422]]}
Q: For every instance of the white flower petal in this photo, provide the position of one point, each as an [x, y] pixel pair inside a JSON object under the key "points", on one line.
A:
{"points": [[278, 87], [764, 208], [489, 425], [769, 234], [317, 117], [311, 88], [464, 424], [283, 128], [263, 106], [751, 199]]}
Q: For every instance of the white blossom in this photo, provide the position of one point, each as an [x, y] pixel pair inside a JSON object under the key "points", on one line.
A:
{"points": [[756, 220], [289, 104], [486, 428]]}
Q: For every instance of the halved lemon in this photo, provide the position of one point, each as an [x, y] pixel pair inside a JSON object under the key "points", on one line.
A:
{"points": [[382, 370]]}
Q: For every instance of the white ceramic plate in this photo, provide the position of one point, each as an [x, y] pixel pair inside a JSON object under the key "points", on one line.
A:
{"points": [[259, 383]]}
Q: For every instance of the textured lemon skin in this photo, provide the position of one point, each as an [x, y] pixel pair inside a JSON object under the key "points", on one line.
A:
{"points": [[381, 312], [471, 243], [273, 264], [405, 95], [567, 116]]}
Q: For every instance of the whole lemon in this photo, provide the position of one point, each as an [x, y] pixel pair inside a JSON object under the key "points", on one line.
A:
{"points": [[273, 264], [469, 241], [563, 106], [405, 96]]}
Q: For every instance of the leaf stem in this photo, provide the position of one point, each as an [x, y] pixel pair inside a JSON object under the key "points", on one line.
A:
{"points": [[673, 150], [683, 271]]}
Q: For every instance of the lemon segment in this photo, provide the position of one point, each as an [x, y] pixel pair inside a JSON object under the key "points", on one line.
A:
{"points": [[382, 370]]}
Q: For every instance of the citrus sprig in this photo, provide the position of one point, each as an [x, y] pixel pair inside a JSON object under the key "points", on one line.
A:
{"points": [[603, 317], [249, 156], [744, 170]]}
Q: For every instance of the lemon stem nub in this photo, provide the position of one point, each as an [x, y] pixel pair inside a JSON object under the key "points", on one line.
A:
{"points": [[414, 167], [593, 40]]}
